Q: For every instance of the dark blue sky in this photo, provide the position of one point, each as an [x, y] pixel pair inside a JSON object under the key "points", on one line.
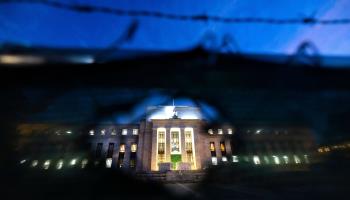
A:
{"points": [[41, 25]]}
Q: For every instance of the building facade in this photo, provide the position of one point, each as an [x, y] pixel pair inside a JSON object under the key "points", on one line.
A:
{"points": [[175, 141]]}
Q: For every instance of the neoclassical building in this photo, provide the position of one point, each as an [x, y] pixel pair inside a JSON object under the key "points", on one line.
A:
{"points": [[165, 140]]}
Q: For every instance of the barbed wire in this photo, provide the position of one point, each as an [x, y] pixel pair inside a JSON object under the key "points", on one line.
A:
{"points": [[82, 8]]}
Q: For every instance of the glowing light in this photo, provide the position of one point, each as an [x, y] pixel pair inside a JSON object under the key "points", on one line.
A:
{"points": [[256, 160], [20, 59], [59, 164], [84, 162], [296, 159], [22, 161], [103, 132], [286, 159], [210, 131], [91, 132], [113, 132], [69, 132], [46, 164], [108, 162], [73, 162], [125, 131], [34, 163], [258, 131], [229, 131], [135, 131], [133, 147], [276, 160], [235, 159], [122, 148], [320, 150], [214, 160], [224, 159], [220, 131]]}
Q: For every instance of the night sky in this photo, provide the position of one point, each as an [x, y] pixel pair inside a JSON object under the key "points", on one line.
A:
{"points": [[34, 24]]}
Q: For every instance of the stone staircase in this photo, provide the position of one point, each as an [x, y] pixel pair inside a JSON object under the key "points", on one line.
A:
{"points": [[172, 176]]}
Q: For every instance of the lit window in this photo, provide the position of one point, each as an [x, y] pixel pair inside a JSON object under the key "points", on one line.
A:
{"points": [[286, 159], [296, 159], [224, 159], [320, 150], [220, 131], [214, 160], [124, 131], [222, 147], [73, 162], [69, 132], [133, 147], [113, 132], [84, 162], [235, 159], [46, 164], [229, 131], [276, 160], [258, 131], [266, 159], [122, 148], [306, 158], [210, 131], [22, 161], [91, 132], [212, 146], [103, 132], [59, 164], [327, 149], [108, 162], [34, 163], [256, 160], [135, 131]]}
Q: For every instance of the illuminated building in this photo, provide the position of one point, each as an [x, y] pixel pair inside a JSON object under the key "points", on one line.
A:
{"points": [[165, 140]]}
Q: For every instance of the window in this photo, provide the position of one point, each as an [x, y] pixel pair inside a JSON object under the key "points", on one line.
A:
{"points": [[110, 150], [59, 164], [229, 131], [296, 159], [210, 131], [214, 161], [122, 148], [224, 159], [84, 162], [103, 132], [46, 164], [135, 131], [124, 131], [175, 141], [276, 160], [34, 163], [286, 159], [98, 150], [108, 162], [92, 132], [73, 162], [266, 160], [212, 149], [306, 159], [220, 131], [212, 146], [113, 132], [133, 147], [256, 160], [161, 141], [235, 159]]}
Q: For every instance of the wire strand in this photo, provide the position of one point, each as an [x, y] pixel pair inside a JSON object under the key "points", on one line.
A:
{"points": [[81, 8]]}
